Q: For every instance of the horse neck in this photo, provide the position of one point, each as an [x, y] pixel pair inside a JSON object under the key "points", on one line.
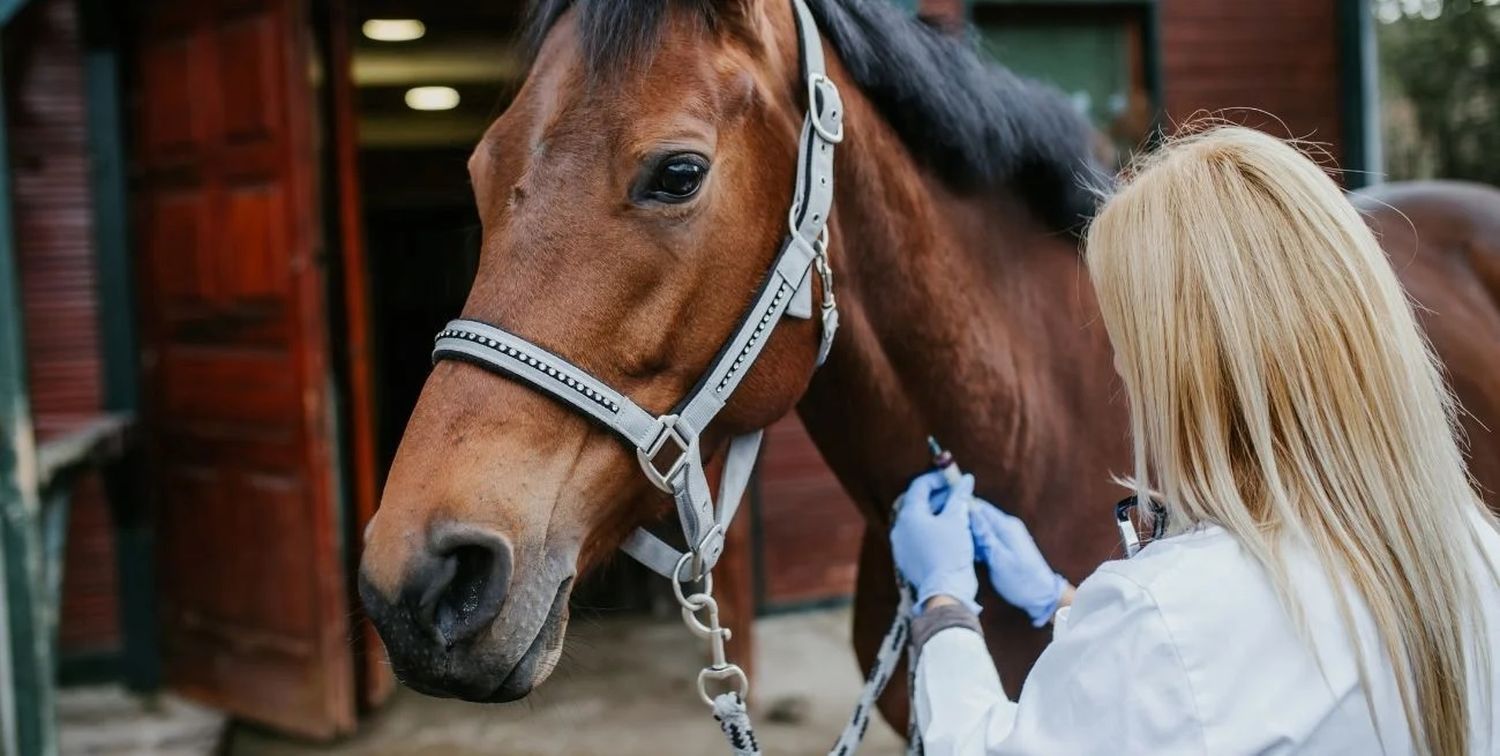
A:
{"points": [[955, 313]]}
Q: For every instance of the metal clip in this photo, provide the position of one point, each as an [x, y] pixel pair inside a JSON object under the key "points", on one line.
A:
{"points": [[830, 305], [719, 668], [825, 270], [728, 671], [1128, 537], [705, 577]]}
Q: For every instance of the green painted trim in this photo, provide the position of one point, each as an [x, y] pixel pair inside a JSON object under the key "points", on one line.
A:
{"points": [[139, 660], [1359, 94], [1151, 52], [56, 507], [135, 569], [116, 290], [9, 9], [30, 724]]}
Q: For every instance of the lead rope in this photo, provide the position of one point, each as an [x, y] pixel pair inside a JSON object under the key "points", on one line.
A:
{"points": [[730, 710]]}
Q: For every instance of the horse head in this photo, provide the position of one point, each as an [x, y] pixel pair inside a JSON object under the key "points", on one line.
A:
{"points": [[632, 196]]}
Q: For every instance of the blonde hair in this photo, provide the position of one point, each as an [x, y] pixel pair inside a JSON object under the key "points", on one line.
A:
{"points": [[1279, 386]]}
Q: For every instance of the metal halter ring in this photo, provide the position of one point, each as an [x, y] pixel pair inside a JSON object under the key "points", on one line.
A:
{"points": [[726, 672], [684, 600], [697, 603], [825, 271]]}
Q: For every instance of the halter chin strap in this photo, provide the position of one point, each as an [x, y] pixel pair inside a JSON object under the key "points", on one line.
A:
{"points": [[668, 446]]}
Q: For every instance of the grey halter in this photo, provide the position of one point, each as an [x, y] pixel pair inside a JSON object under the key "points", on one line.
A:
{"points": [[667, 447]]}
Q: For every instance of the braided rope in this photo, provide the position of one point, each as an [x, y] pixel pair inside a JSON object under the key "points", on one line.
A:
{"points": [[891, 647], [734, 720], [734, 717]]}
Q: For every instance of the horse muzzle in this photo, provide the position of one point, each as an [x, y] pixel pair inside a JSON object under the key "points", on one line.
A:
{"points": [[459, 625]]}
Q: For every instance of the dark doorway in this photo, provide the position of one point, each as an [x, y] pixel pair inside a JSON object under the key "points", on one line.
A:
{"points": [[422, 234], [421, 230]]}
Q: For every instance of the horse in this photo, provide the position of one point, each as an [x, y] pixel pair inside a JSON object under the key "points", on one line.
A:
{"points": [[1443, 238], [632, 196]]}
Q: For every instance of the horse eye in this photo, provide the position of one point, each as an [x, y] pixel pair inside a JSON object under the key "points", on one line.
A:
{"points": [[678, 178]]}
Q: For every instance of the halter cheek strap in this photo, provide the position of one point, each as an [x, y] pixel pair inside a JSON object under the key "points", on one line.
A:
{"points": [[668, 447]]}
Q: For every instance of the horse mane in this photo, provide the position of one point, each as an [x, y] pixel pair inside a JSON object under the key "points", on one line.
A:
{"points": [[972, 122]]}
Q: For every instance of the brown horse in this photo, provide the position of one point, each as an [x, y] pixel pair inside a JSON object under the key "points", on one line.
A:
{"points": [[966, 313]]}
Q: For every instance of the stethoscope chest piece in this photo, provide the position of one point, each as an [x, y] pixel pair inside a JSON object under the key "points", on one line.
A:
{"points": [[1128, 534]]}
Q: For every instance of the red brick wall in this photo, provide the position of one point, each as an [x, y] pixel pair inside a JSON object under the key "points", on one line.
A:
{"points": [[47, 125], [1280, 56]]}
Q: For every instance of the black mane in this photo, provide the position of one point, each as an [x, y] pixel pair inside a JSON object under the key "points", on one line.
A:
{"points": [[973, 123]]}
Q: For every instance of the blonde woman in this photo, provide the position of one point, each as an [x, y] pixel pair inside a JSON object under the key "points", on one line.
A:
{"points": [[1327, 579]]}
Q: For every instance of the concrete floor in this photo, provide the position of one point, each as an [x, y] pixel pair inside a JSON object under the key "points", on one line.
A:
{"points": [[107, 721], [625, 687]]}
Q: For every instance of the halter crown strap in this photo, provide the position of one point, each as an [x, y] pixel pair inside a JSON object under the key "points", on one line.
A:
{"points": [[667, 446]]}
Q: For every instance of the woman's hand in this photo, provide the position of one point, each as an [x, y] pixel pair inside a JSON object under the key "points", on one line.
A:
{"points": [[934, 550], [1017, 569]]}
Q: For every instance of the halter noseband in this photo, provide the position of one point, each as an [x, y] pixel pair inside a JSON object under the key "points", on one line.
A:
{"points": [[668, 446]]}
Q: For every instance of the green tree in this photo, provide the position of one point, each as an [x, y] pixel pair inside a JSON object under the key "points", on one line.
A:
{"points": [[1440, 77]]}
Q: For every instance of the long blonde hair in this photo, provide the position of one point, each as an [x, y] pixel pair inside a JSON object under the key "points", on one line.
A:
{"points": [[1280, 387]]}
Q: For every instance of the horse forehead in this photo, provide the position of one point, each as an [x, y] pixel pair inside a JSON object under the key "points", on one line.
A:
{"points": [[564, 100]]}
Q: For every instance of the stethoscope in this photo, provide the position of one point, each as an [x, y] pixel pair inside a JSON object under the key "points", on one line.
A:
{"points": [[1128, 534]]}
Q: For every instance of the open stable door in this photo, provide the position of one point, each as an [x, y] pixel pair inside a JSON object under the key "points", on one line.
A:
{"points": [[355, 348], [254, 600]]}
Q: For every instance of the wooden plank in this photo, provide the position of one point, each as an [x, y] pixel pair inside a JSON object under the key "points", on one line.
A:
{"points": [[90, 443], [355, 350], [135, 576]]}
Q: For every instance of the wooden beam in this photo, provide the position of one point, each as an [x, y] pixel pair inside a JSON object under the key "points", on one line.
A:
{"points": [[1359, 107], [140, 662], [27, 695]]}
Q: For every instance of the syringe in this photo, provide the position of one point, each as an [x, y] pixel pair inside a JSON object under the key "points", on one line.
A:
{"points": [[942, 459]]}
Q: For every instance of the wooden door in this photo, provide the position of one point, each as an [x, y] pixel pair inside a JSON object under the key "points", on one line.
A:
{"points": [[376, 682], [254, 606]]}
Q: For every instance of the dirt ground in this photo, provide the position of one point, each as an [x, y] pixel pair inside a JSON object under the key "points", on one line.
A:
{"points": [[625, 687]]}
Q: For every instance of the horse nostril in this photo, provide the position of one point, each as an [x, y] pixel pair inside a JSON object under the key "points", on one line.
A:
{"points": [[472, 570], [466, 582]]}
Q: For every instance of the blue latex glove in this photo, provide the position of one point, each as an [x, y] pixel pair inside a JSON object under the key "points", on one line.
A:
{"points": [[1017, 569], [934, 549]]}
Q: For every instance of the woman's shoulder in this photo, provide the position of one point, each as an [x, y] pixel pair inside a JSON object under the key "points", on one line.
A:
{"points": [[1174, 580], [1228, 629], [1202, 556], [1203, 584]]}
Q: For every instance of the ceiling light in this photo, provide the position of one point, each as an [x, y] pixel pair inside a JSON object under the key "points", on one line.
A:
{"points": [[394, 29], [432, 98]]}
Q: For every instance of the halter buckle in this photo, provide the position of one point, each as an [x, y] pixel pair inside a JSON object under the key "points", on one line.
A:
{"points": [[832, 104], [647, 457]]}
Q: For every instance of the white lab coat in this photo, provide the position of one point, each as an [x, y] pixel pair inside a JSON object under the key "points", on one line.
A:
{"points": [[1185, 649]]}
